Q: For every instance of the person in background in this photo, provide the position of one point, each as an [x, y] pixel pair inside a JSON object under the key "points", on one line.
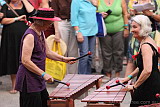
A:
{"points": [[148, 76], [13, 29], [112, 45], [64, 31], [83, 19], [31, 75], [1, 15]]}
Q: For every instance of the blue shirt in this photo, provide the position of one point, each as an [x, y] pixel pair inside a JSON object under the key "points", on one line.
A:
{"points": [[83, 15]]}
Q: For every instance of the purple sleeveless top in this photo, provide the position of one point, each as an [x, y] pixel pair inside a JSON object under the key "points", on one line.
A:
{"points": [[26, 79]]}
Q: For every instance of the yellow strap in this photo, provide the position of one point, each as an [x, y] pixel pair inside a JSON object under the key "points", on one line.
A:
{"points": [[56, 48]]}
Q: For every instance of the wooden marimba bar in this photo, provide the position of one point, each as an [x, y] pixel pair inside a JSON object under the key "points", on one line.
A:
{"points": [[151, 105], [103, 97], [63, 96]]}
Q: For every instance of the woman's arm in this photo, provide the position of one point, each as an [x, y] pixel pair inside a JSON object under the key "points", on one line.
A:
{"points": [[28, 6], [12, 20], [147, 54], [53, 55], [133, 74], [27, 49], [125, 18], [74, 19], [152, 14], [44, 4]]}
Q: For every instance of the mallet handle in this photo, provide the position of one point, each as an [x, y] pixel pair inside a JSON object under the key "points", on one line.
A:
{"points": [[60, 82]]}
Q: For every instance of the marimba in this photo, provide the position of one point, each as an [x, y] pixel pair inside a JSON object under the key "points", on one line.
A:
{"points": [[151, 105], [110, 97], [63, 96]]}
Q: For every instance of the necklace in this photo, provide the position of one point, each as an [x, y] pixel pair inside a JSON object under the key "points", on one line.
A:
{"points": [[15, 3]]}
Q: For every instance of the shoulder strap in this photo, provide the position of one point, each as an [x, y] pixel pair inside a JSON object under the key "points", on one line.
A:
{"points": [[153, 48], [156, 5]]}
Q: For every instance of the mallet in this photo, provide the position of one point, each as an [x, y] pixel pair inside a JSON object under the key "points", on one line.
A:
{"points": [[89, 53], [157, 95], [68, 84], [118, 83]]}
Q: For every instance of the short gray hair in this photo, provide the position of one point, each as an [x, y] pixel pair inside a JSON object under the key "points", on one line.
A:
{"points": [[145, 24]]}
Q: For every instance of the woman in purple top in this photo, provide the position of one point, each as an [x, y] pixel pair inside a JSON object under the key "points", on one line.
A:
{"points": [[31, 76]]}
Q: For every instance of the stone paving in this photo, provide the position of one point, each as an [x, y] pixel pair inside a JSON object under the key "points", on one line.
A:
{"points": [[12, 100]]}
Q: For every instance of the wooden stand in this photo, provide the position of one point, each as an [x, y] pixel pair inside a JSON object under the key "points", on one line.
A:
{"points": [[64, 96], [103, 97]]}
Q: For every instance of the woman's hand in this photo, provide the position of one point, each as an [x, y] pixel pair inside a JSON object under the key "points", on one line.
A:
{"points": [[68, 60], [22, 18], [124, 80], [104, 14], [80, 37], [1, 15], [133, 12], [126, 33], [147, 13], [128, 88], [48, 78]]}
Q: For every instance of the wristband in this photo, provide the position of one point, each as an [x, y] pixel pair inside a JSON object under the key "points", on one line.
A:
{"points": [[16, 19], [43, 74], [126, 25], [77, 31], [158, 64], [130, 76]]}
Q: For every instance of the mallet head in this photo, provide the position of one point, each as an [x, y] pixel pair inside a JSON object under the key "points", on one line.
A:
{"points": [[68, 84], [89, 53], [157, 95], [108, 87], [117, 81]]}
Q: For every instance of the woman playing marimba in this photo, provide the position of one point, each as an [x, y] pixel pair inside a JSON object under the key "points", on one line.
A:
{"points": [[31, 76], [148, 75]]}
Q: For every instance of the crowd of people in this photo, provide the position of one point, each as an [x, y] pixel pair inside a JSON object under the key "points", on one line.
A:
{"points": [[23, 48]]}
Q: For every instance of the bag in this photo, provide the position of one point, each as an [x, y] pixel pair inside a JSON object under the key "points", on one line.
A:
{"points": [[56, 69], [102, 31]]}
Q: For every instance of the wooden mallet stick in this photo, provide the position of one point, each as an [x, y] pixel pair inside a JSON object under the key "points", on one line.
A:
{"points": [[68, 84], [118, 83], [89, 53]]}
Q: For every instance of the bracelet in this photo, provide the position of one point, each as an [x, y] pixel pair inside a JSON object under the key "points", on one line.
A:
{"points": [[130, 76], [77, 31], [43, 74], [158, 64], [126, 25], [16, 19]]}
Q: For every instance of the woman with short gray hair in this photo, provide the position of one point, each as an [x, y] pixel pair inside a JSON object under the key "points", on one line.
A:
{"points": [[148, 75]]}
